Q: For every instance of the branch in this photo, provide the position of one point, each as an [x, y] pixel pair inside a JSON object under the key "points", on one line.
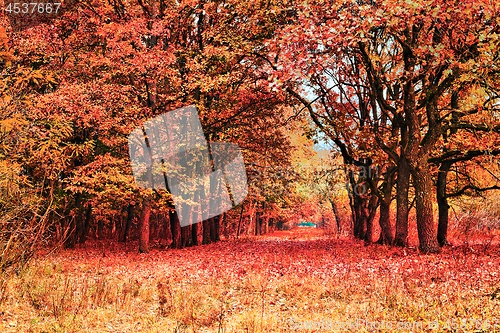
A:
{"points": [[374, 80], [446, 157], [472, 187], [475, 127]]}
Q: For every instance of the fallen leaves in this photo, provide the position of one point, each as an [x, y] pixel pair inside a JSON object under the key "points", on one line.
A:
{"points": [[257, 282]]}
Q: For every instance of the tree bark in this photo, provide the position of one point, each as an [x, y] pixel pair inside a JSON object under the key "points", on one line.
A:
{"points": [[213, 231], [167, 233], [144, 225], [425, 220], [279, 224], [402, 203], [186, 236], [359, 205], [337, 216], [128, 223], [239, 221], [361, 217], [261, 223], [386, 233], [418, 150], [175, 228], [371, 211], [257, 221], [78, 220], [442, 200], [195, 230], [196, 227], [86, 224], [100, 229], [417, 156], [385, 224], [118, 226], [206, 232], [74, 223], [218, 222]]}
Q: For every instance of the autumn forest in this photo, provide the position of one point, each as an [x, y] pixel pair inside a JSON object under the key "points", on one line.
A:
{"points": [[366, 135]]}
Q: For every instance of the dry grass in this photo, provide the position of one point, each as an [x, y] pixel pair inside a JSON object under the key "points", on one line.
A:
{"points": [[250, 285]]}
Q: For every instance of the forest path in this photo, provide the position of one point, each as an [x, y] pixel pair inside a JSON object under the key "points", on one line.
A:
{"points": [[300, 252]]}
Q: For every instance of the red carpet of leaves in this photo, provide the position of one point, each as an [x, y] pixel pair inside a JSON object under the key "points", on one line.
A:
{"points": [[257, 284], [302, 252], [299, 252]]}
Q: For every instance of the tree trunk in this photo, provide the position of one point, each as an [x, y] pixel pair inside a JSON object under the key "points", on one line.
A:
{"points": [[175, 228], [206, 232], [417, 151], [71, 228], [361, 217], [359, 206], [425, 220], [442, 200], [354, 204], [186, 236], [218, 221], [213, 231], [337, 216], [239, 222], [144, 225], [410, 139], [166, 239], [128, 223], [116, 232], [271, 224], [73, 223], [385, 224], [195, 227], [261, 224], [257, 219], [417, 157], [402, 204], [279, 224], [195, 230], [386, 232], [78, 221], [86, 224], [371, 211], [100, 229]]}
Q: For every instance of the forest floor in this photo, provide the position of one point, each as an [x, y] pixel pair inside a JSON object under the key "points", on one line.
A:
{"points": [[288, 281]]}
